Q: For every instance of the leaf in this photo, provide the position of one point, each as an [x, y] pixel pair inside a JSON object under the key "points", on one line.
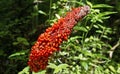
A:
{"points": [[99, 31], [51, 65], [118, 70], [107, 71], [63, 66], [24, 71], [98, 70], [15, 43], [81, 29], [93, 64], [106, 17], [57, 70], [74, 38], [112, 68], [96, 26], [107, 13], [58, 16], [89, 3], [106, 37], [77, 70], [101, 26], [85, 65], [102, 6], [87, 53], [101, 16], [60, 67], [63, 53], [21, 40], [42, 12], [18, 53], [40, 72]]}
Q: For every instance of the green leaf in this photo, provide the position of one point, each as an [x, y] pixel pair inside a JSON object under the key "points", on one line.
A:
{"points": [[60, 67], [99, 31], [101, 26], [63, 66], [92, 64], [21, 40], [42, 12], [85, 65], [18, 53], [74, 38], [107, 13], [98, 70], [106, 37], [89, 3], [51, 65], [106, 17], [40, 72], [96, 26], [107, 71], [57, 70], [118, 70], [15, 43], [102, 6], [112, 68], [77, 70], [81, 29], [25, 70], [58, 16], [63, 53]]}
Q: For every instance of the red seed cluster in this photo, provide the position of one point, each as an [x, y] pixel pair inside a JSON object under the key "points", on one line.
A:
{"points": [[49, 41]]}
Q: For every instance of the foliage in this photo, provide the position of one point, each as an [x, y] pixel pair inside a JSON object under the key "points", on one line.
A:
{"points": [[88, 49]]}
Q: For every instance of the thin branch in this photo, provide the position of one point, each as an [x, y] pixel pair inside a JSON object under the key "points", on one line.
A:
{"points": [[113, 48]]}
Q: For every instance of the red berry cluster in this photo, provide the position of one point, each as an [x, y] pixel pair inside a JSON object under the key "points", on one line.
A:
{"points": [[49, 41]]}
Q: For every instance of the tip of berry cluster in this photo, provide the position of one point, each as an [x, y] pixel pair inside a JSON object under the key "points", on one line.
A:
{"points": [[86, 8]]}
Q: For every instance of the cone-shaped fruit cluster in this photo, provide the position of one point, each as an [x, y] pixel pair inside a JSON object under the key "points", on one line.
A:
{"points": [[49, 41]]}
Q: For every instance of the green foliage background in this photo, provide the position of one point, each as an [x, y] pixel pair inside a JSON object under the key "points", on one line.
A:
{"points": [[92, 48]]}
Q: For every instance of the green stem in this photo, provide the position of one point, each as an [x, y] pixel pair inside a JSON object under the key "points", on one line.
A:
{"points": [[89, 30], [83, 36], [50, 9], [102, 34], [36, 11]]}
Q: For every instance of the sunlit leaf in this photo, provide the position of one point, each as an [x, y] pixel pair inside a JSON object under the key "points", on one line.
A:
{"points": [[42, 12], [85, 65], [81, 29], [60, 67], [102, 6], [107, 13], [112, 68], [118, 70], [25, 70], [90, 4], [18, 53], [51, 65], [40, 72]]}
